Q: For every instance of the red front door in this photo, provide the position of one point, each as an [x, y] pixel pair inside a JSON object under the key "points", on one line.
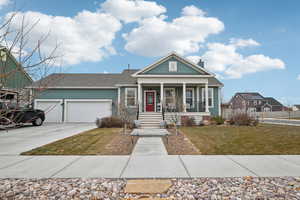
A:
{"points": [[150, 101]]}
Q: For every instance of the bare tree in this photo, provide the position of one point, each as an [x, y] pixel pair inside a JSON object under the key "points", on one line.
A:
{"points": [[125, 116], [20, 49]]}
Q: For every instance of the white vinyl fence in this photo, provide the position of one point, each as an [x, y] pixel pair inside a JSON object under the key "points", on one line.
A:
{"points": [[228, 113]]}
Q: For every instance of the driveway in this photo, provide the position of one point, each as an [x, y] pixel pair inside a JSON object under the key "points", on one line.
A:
{"points": [[281, 121], [16, 141]]}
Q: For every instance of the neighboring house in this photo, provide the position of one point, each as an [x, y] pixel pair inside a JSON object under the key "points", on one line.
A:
{"points": [[296, 107], [254, 102], [13, 78], [182, 86], [12, 74]]}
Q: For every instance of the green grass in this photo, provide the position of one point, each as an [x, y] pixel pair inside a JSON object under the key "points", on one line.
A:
{"points": [[91, 142], [242, 140]]}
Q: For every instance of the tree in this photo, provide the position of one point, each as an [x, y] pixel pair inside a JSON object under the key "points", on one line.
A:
{"points": [[17, 46]]}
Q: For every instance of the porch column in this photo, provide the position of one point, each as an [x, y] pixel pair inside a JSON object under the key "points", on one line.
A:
{"points": [[119, 99], [184, 97], [161, 96], [206, 98], [197, 98], [140, 97]]}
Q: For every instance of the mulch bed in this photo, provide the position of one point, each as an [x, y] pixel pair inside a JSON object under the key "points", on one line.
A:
{"points": [[179, 144], [122, 144]]}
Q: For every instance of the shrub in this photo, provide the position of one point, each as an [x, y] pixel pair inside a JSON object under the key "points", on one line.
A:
{"points": [[243, 119], [187, 121], [219, 120], [110, 122]]}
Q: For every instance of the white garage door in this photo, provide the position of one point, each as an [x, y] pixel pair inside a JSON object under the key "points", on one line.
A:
{"points": [[87, 110], [52, 108]]}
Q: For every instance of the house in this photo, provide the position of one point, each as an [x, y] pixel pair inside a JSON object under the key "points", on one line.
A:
{"points": [[171, 84], [12, 74], [296, 108], [254, 102], [13, 78]]}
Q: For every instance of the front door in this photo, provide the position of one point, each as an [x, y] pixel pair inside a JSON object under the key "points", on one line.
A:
{"points": [[150, 101]]}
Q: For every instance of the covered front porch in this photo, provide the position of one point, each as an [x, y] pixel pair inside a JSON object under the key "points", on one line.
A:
{"points": [[174, 97]]}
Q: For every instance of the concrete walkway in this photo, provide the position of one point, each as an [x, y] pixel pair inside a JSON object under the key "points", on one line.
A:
{"points": [[149, 146], [149, 166]]}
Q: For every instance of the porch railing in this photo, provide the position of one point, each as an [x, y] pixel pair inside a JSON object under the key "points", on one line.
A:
{"points": [[196, 106]]}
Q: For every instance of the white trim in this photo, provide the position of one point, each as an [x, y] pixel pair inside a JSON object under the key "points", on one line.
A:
{"points": [[181, 58], [119, 99], [176, 76], [219, 98], [161, 96], [120, 85], [203, 96], [173, 80], [193, 96], [145, 99], [198, 97], [83, 87], [135, 97], [81, 100]]}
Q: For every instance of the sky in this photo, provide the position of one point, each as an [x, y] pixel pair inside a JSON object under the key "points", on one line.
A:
{"points": [[251, 46]]}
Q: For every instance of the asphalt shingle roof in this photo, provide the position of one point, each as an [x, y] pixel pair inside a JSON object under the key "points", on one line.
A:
{"points": [[272, 101], [58, 80], [251, 96]]}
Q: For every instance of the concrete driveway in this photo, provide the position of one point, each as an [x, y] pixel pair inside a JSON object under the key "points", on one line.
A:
{"points": [[16, 141]]}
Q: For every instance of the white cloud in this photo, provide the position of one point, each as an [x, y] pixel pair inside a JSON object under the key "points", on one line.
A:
{"points": [[87, 36], [4, 3], [298, 77], [224, 58], [192, 11], [132, 10], [156, 37]]}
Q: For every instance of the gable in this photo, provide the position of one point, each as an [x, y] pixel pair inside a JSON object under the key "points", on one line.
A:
{"points": [[184, 67], [12, 76]]}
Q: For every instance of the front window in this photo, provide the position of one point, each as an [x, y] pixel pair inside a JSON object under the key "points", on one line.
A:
{"points": [[170, 97], [130, 94], [210, 97], [189, 97]]}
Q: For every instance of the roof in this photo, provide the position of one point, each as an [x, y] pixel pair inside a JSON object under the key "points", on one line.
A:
{"points": [[61, 80], [297, 106], [251, 95], [181, 58], [273, 102]]}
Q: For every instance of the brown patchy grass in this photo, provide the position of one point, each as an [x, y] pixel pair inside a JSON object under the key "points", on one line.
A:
{"points": [[179, 144], [93, 142], [263, 139]]}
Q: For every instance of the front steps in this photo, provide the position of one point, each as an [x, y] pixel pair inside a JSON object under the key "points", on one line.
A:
{"points": [[150, 119]]}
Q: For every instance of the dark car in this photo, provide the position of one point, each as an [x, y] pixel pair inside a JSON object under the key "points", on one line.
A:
{"points": [[13, 114]]}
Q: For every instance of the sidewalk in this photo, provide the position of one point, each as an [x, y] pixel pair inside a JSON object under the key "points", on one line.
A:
{"points": [[149, 166]]}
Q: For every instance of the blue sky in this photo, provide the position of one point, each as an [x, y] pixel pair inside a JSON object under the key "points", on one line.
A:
{"points": [[233, 35]]}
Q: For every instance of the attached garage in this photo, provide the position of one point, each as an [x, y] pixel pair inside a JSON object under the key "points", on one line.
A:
{"points": [[53, 109], [83, 110], [74, 110]]}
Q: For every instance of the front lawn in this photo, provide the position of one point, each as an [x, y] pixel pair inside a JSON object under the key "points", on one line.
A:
{"points": [[263, 139], [99, 141]]}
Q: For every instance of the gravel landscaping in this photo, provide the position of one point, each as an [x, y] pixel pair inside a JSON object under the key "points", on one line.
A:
{"points": [[202, 188]]}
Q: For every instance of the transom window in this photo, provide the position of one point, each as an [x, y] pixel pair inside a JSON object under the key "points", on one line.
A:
{"points": [[172, 66], [210, 97], [130, 97], [189, 97]]}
